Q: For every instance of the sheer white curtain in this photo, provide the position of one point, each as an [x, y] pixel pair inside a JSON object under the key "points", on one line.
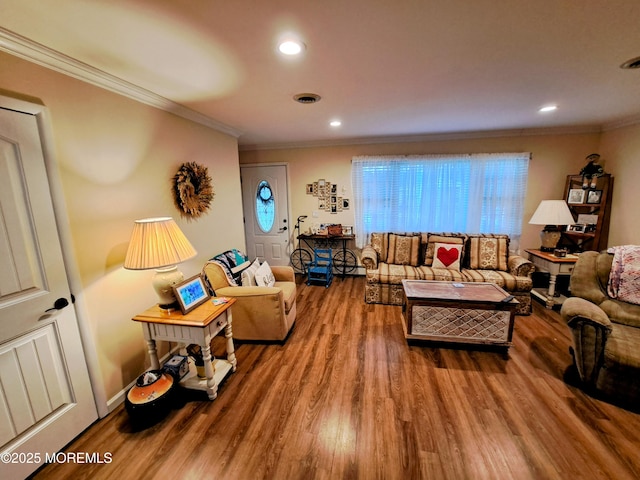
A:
{"points": [[478, 193]]}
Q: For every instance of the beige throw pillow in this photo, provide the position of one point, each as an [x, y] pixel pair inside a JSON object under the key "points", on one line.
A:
{"points": [[264, 276], [433, 239], [489, 252], [249, 274], [380, 243], [403, 249]]}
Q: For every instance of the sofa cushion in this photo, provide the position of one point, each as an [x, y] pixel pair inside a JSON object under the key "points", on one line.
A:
{"points": [[392, 274], [380, 243], [432, 239], [504, 280], [488, 252], [442, 274], [403, 249], [447, 255]]}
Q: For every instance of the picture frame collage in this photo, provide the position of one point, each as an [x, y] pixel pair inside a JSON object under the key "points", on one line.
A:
{"points": [[328, 197]]}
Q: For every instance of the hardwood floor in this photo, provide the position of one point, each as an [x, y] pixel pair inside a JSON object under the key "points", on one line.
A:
{"points": [[347, 397]]}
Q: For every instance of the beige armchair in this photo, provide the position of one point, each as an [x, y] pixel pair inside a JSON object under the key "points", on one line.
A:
{"points": [[605, 331], [260, 313]]}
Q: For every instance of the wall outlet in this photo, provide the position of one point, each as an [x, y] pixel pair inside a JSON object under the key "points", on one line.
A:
{"points": [[315, 214]]}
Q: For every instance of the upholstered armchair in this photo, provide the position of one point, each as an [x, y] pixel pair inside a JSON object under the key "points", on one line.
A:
{"points": [[260, 313], [605, 331]]}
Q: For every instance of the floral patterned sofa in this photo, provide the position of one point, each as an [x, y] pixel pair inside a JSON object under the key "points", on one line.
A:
{"points": [[457, 257]]}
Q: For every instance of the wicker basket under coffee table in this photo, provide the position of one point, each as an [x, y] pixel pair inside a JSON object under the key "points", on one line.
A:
{"points": [[462, 313]]}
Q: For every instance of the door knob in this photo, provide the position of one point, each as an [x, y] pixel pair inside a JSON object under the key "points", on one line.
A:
{"points": [[59, 304], [283, 229]]}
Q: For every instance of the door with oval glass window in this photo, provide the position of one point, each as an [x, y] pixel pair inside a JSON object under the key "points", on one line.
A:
{"points": [[266, 212]]}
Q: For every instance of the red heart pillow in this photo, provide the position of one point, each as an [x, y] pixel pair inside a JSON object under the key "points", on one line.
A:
{"points": [[447, 255]]}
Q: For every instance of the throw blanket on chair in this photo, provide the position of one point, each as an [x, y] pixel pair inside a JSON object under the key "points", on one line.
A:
{"points": [[624, 279], [232, 262]]}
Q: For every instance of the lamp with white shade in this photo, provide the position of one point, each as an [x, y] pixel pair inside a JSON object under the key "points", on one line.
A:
{"points": [[160, 244], [551, 214]]}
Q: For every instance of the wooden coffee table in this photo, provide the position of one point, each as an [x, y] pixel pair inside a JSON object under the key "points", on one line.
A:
{"points": [[462, 313]]}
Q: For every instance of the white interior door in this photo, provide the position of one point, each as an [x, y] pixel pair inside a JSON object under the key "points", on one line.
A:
{"points": [[45, 393], [266, 213]]}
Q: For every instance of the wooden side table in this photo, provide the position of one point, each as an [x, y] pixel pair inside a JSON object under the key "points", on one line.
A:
{"points": [[199, 326], [554, 266]]}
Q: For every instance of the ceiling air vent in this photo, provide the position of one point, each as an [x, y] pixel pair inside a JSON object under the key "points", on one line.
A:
{"points": [[307, 98], [630, 64]]}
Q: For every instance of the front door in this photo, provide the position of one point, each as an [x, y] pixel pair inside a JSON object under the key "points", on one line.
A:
{"points": [[45, 394], [266, 213]]}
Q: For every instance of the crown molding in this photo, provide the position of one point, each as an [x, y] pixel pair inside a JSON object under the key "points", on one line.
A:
{"points": [[625, 122], [34, 52], [432, 137]]}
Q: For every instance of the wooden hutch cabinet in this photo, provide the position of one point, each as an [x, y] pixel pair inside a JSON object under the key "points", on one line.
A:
{"points": [[591, 210]]}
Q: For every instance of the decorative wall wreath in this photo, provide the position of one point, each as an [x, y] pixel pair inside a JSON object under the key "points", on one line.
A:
{"points": [[192, 189]]}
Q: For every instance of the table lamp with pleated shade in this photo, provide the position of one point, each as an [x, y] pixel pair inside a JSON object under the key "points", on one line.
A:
{"points": [[551, 213], [160, 244]]}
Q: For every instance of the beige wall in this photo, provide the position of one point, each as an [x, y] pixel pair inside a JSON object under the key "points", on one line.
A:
{"points": [[116, 158], [620, 149], [553, 158]]}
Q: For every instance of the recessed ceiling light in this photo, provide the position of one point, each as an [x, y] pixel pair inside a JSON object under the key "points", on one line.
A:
{"points": [[291, 47], [548, 108], [335, 123]]}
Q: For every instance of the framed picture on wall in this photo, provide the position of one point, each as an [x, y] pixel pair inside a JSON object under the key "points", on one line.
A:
{"points": [[576, 195]]}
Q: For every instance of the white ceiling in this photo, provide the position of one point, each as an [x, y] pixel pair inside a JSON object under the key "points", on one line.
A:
{"points": [[384, 67]]}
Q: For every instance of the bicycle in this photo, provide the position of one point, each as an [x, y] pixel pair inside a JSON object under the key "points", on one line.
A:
{"points": [[300, 258], [344, 261]]}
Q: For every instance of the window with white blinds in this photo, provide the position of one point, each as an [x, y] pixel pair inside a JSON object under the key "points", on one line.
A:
{"points": [[471, 193]]}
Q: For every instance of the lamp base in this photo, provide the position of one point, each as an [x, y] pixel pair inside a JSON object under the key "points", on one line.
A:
{"points": [[163, 281], [549, 237]]}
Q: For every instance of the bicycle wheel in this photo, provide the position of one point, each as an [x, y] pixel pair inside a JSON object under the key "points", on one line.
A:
{"points": [[299, 259], [344, 262]]}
